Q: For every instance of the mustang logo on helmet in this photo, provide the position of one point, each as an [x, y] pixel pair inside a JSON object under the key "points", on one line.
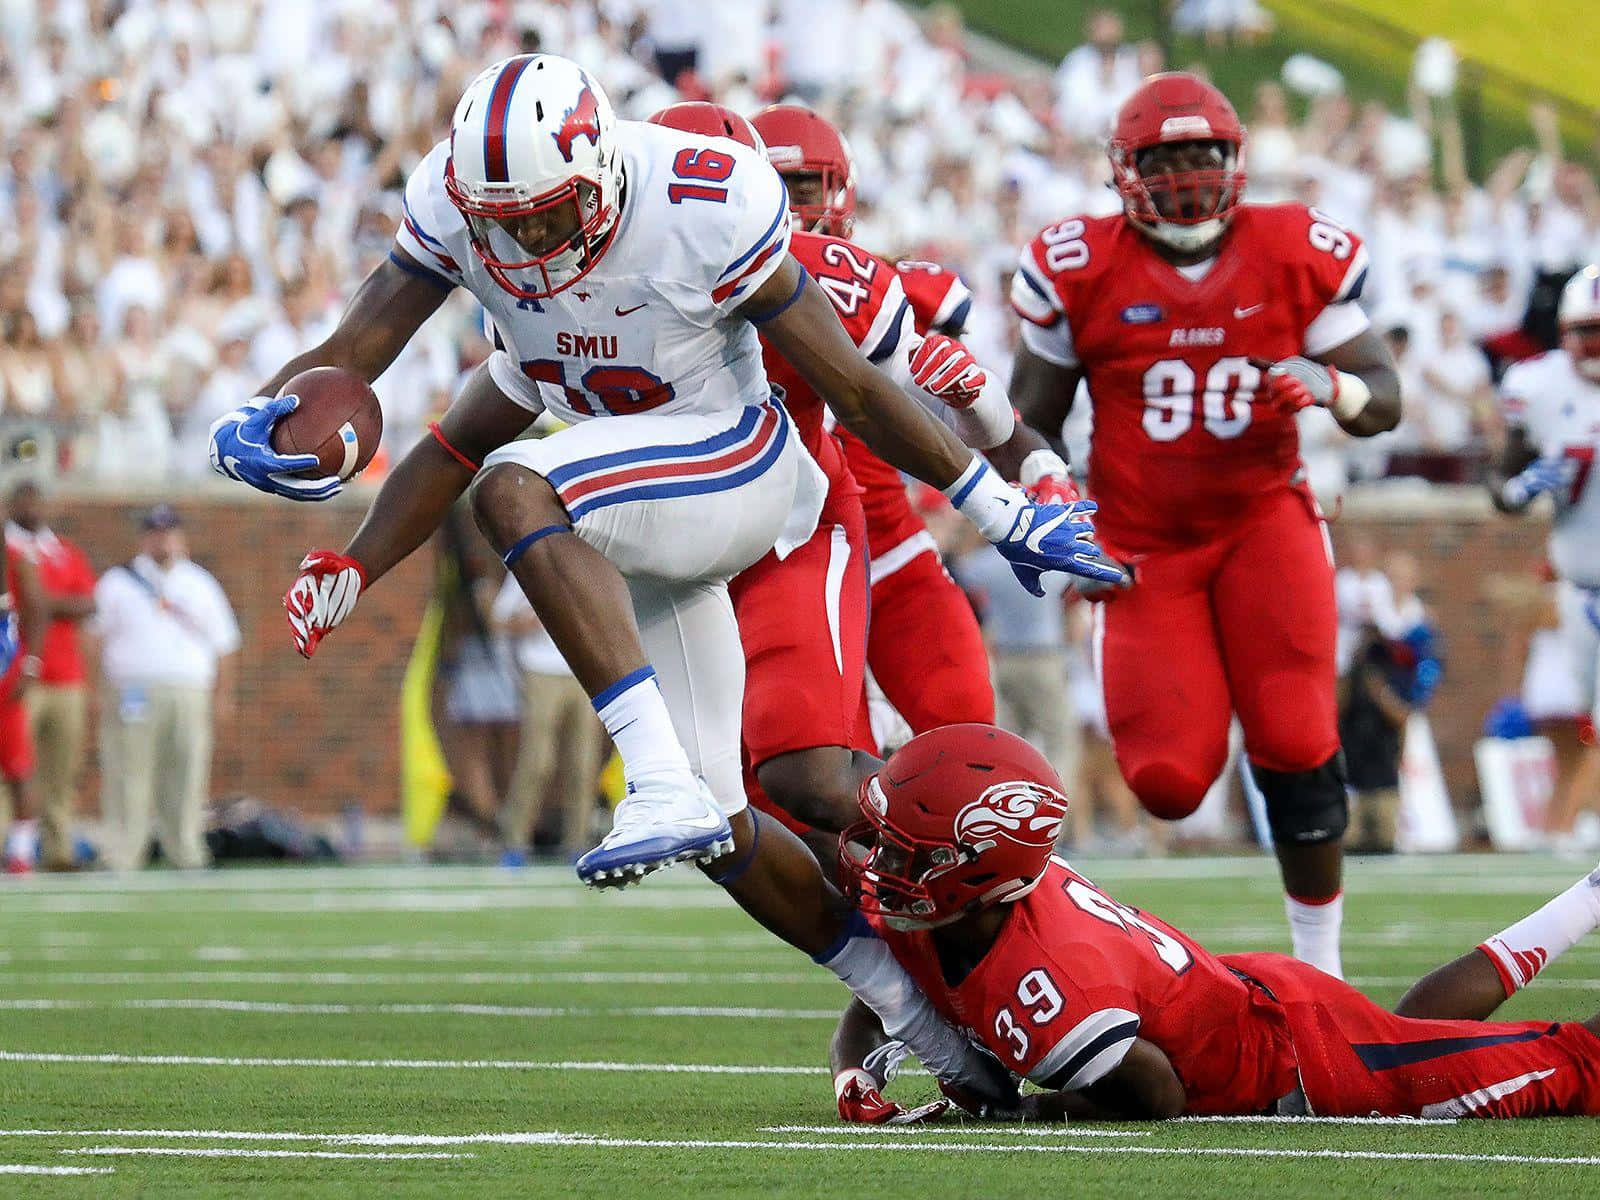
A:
{"points": [[1020, 811], [581, 120]]}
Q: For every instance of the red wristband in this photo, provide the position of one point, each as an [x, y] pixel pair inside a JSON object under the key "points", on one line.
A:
{"points": [[438, 436]]}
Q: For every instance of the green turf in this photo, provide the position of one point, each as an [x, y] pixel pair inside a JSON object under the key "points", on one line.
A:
{"points": [[346, 965]]}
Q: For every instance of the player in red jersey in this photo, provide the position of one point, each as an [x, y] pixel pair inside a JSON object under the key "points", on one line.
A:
{"points": [[803, 618], [924, 645], [1121, 1016], [1202, 326]]}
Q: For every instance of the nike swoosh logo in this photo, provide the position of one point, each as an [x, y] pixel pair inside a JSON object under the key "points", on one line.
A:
{"points": [[622, 312], [1034, 541], [1240, 314], [703, 822]]}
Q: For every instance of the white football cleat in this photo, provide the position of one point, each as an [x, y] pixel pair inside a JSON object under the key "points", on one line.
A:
{"points": [[665, 821]]}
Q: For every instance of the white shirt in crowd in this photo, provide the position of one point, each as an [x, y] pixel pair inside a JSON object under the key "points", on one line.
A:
{"points": [[163, 626], [535, 653]]}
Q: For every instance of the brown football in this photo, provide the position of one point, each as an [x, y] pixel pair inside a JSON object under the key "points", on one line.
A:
{"points": [[338, 420]]}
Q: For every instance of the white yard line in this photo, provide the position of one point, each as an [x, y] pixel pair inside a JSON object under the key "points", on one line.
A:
{"points": [[324, 902], [931, 1147], [1037, 1131], [405, 1064], [343, 978], [1271, 1120], [31, 1169], [237, 1152], [286, 1008]]}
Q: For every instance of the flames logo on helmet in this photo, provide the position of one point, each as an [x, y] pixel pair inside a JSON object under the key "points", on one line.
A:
{"points": [[1029, 814], [581, 120]]}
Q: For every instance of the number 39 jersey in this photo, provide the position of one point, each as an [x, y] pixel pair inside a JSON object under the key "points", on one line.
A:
{"points": [[1179, 449], [1074, 977], [652, 327], [1560, 412]]}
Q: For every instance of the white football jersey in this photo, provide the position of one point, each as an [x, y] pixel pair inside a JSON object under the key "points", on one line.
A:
{"points": [[1560, 412], [650, 328]]}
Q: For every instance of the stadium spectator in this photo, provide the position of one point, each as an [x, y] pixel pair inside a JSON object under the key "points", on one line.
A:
{"points": [[168, 636], [1393, 672], [1456, 396], [1095, 78], [558, 752], [58, 700]]}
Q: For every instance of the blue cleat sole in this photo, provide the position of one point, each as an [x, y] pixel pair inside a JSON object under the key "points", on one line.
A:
{"points": [[618, 866]]}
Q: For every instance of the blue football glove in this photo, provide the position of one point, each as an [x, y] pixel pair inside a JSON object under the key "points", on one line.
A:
{"points": [[1540, 476], [241, 448], [1057, 537], [10, 640]]}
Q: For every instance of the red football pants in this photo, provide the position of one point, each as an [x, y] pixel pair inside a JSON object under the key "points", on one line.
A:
{"points": [[1356, 1058], [1242, 624], [925, 648], [803, 624]]}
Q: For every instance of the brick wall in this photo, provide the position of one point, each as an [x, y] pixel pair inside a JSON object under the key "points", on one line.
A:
{"points": [[312, 735], [319, 734]]}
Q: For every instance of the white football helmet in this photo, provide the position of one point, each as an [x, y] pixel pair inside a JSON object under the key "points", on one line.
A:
{"points": [[1579, 314], [534, 169]]}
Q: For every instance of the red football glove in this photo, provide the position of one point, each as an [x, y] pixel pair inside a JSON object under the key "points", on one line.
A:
{"points": [[322, 595], [1297, 383], [860, 1102], [1053, 489], [946, 370]]}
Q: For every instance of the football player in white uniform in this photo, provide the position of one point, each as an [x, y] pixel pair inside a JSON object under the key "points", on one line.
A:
{"points": [[626, 268], [1552, 411]]}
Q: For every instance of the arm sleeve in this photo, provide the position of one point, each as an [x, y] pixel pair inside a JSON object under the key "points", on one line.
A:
{"points": [[1045, 329], [759, 235], [422, 226]]}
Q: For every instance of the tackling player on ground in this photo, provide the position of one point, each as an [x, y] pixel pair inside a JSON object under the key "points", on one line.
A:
{"points": [[625, 268], [1120, 1016], [1551, 406], [1202, 326]]}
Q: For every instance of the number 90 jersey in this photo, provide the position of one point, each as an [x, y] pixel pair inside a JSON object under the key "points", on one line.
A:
{"points": [[1074, 977], [652, 328], [1179, 450]]}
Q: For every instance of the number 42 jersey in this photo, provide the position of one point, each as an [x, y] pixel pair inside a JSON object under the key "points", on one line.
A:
{"points": [[1179, 448], [1075, 977], [652, 328]]}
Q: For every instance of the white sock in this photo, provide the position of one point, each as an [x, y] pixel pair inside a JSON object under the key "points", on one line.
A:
{"points": [[1314, 930], [1520, 952], [636, 717]]}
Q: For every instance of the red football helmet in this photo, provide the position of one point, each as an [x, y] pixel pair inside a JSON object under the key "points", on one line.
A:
{"points": [[1177, 157], [712, 120], [961, 818], [814, 160]]}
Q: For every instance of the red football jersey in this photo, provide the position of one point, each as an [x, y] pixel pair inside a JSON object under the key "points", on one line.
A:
{"points": [[1075, 977], [871, 305], [1178, 446], [940, 302]]}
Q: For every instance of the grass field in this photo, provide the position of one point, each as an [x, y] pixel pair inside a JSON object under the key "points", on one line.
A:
{"points": [[417, 1032]]}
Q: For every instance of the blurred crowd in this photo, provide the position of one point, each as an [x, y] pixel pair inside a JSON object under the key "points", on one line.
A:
{"points": [[191, 190]]}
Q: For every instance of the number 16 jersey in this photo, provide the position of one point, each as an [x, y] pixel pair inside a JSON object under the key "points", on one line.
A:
{"points": [[1179, 448]]}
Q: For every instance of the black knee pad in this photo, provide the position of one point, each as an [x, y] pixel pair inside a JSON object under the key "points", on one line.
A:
{"points": [[1305, 808]]}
